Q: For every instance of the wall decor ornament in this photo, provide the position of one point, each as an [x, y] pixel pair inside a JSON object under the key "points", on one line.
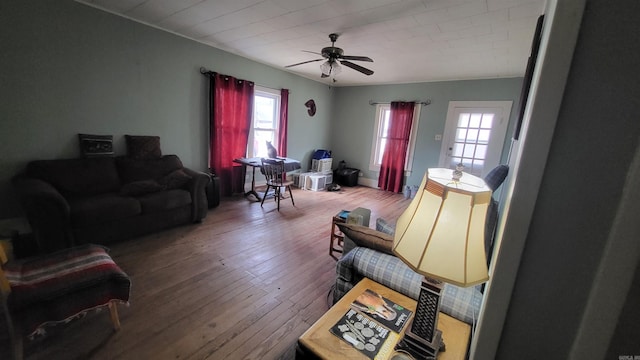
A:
{"points": [[96, 145], [311, 107]]}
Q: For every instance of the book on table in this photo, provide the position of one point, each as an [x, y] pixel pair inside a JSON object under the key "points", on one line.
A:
{"points": [[372, 325], [343, 214]]}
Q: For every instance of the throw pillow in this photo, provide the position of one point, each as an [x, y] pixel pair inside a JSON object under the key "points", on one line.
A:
{"points": [[175, 179], [367, 237], [142, 187], [96, 145], [143, 147]]}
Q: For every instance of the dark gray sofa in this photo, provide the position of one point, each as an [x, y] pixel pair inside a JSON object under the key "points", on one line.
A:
{"points": [[102, 200]]}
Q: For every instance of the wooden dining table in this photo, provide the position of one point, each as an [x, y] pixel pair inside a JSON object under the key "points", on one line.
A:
{"points": [[256, 162]]}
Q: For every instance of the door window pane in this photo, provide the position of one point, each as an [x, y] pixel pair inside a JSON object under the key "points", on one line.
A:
{"points": [[475, 120], [469, 150], [472, 135], [463, 120], [483, 136], [487, 121], [457, 149], [481, 152], [461, 134], [471, 139]]}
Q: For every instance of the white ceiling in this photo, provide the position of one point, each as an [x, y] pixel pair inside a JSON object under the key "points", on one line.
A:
{"points": [[409, 40]]}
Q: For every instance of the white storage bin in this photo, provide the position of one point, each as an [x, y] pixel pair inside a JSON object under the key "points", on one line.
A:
{"points": [[300, 180], [316, 182], [328, 178], [321, 165]]}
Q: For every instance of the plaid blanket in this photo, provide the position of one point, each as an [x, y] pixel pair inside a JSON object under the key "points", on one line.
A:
{"points": [[64, 285]]}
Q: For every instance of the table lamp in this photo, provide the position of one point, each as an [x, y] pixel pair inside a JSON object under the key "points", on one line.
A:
{"points": [[441, 236]]}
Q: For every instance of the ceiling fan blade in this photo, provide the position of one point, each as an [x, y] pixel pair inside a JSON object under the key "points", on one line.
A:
{"points": [[356, 67], [304, 62], [357, 58], [313, 52]]}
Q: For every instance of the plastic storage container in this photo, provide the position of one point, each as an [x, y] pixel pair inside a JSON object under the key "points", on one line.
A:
{"points": [[321, 165], [347, 176]]}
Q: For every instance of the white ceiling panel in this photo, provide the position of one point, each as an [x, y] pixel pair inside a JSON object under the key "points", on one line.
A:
{"points": [[409, 40]]}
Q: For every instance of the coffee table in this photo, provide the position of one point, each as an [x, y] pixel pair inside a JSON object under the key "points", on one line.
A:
{"points": [[319, 343]]}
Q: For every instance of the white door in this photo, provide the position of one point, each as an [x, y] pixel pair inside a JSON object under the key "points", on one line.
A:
{"points": [[474, 135]]}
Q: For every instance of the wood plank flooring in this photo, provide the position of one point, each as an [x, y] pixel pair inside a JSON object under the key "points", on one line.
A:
{"points": [[243, 284]]}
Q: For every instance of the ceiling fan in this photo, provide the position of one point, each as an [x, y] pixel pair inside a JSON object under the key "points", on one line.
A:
{"points": [[335, 56]]}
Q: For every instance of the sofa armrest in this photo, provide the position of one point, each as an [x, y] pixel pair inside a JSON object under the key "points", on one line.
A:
{"points": [[197, 188], [460, 303], [48, 213], [345, 276]]}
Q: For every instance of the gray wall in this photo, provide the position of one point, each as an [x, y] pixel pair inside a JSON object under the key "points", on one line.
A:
{"points": [[596, 136], [66, 68], [353, 119]]}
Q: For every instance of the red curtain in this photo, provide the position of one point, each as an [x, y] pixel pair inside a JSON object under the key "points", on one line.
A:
{"points": [[395, 151], [282, 126], [231, 109]]}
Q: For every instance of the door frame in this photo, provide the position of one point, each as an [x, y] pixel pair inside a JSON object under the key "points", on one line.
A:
{"points": [[528, 160]]}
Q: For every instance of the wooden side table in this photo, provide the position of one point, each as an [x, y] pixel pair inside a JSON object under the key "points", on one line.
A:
{"points": [[318, 341], [337, 238]]}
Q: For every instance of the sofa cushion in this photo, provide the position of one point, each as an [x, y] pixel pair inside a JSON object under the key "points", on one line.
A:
{"points": [[135, 170], [366, 237], [164, 200], [142, 187], [92, 210], [86, 176], [143, 147], [175, 179]]}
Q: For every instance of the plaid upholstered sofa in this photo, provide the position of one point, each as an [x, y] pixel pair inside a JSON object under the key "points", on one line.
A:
{"points": [[388, 270], [360, 261]]}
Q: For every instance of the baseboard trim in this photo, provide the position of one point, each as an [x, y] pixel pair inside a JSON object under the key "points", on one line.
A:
{"points": [[372, 183]]}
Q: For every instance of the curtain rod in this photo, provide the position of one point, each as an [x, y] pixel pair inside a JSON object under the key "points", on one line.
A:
{"points": [[425, 103], [204, 71]]}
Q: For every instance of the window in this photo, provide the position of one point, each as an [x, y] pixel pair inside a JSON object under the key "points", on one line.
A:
{"points": [[266, 116], [383, 112]]}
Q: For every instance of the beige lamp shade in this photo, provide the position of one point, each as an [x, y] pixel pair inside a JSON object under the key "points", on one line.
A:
{"points": [[441, 234]]}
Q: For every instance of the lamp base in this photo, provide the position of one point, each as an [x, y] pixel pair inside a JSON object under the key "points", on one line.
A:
{"points": [[423, 340], [418, 348]]}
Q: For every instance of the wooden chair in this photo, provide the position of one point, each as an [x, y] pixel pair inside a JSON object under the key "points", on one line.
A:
{"points": [[273, 171], [41, 291]]}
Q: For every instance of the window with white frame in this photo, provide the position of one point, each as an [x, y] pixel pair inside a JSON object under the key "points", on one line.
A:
{"points": [[264, 125], [380, 133]]}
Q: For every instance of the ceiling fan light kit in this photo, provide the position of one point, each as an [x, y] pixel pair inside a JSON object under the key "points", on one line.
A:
{"points": [[335, 58], [330, 68]]}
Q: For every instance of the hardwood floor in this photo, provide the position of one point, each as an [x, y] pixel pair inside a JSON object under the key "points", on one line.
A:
{"points": [[243, 284]]}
